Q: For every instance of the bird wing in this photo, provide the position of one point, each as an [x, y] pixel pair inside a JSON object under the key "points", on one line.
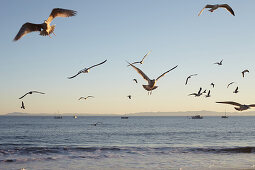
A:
{"points": [[207, 6], [230, 102], [146, 55], [193, 75], [228, 8], [199, 90], [193, 94], [27, 28], [140, 72], [135, 80], [37, 92], [201, 11], [230, 84], [81, 98], [97, 64], [59, 12], [89, 96], [252, 105], [75, 75], [209, 92], [236, 88], [187, 80], [165, 73], [23, 95]]}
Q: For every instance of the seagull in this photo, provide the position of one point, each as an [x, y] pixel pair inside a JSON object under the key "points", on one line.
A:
{"points": [[189, 78], [245, 71], [31, 92], [236, 90], [44, 28], [240, 107], [208, 94], [213, 85], [204, 91], [151, 83], [141, 62], [214, 7], [22, 105], [86, 70], [135, 80], [85, 98], [97, 123], [230, 84], [129, 96], [197, 94], [219, 63]]}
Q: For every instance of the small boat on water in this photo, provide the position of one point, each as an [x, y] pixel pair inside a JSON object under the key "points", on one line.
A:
{"points": [[57, 117], [124, 117], [197, 117], [224, 116]]}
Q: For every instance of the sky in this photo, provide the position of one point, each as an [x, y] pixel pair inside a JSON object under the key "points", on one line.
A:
{"points": [[121, 31]]}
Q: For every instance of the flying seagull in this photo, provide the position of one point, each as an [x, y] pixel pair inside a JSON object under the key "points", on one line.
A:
{"points": [[204, 91], [85, 98], [44, 28], [151, 83], [129, 96], [141, 62], [197, 94], [31, 92], [230, 84], [135, 80], [240, 107], [219, 63], [216, 6], [236, 90], [189, 78], [208, 94], [245, 71], [22, 105], [86, 70], [213, 85]]}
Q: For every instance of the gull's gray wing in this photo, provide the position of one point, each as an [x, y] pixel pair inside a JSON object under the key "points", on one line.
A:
{"points": [[75, 75], [27, 28], [230, 102], [230, 84], [228, 8], [146, 55], [59, 12], [207, 6], [97, 64], [165, 73], [37, 92], [140, 72], [24, 95], [199, 90], [187, 80], [81, 98]]}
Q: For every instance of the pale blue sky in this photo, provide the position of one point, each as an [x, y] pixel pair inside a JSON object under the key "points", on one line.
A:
{"points": [[126, 30]]}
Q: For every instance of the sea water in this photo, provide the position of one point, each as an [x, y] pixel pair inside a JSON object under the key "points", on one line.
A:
{"points": [[42, 142]]}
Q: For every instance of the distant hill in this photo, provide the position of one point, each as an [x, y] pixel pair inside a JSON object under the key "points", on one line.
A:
{"points": [[17, 114]]}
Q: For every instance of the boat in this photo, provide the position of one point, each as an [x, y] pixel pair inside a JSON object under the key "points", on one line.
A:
{"points": [[57, 117], [197, 117], [225, 116], [75, 117], [124, 117]]}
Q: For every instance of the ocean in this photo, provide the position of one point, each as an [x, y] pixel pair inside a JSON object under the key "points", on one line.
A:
{"points": [[45, 143]]}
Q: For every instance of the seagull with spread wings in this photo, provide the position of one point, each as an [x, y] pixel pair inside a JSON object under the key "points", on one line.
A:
{"points": [[31, 92], [151, 83], [236, 90], [22, 105], [85, 98], [245, 71], [141, 62], [44, 28], [213, 85], [240, 107], [198, 93], [189, 78], [129, 96], [219, 63], [86, 70], [216, 6], [230, 84]]}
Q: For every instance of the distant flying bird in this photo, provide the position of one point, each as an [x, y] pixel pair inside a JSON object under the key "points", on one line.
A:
{"points": [[245, 71], [214, 7], [236, 90], [151, 83], [240, 107], [85, 98], [135, 80], [129, 96], [44, 28], [86, 70], [219, 63], [189, 78], [31, 92], [22, 105], [230, 84], [141, 62], [208, 94], [213, 85], [197, 94], [204, 91]]}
